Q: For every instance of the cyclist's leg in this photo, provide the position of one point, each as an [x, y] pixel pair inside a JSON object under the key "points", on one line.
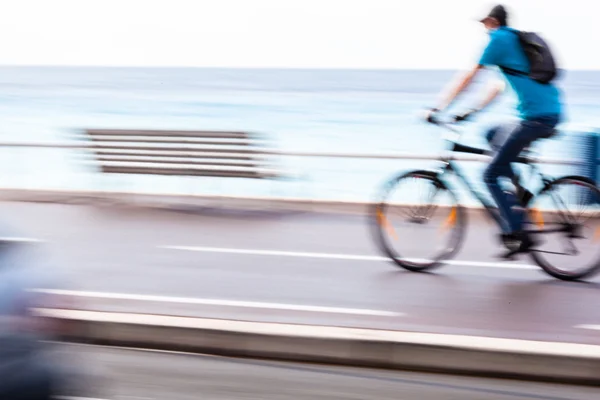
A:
{"points": [[496, 137], [525, 133]]}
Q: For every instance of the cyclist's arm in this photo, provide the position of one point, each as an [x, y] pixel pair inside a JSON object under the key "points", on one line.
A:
{"points": [[463, 83], [491, 54], [491, 94]]}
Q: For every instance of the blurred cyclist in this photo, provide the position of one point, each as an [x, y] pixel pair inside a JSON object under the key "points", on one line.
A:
{"points": [[527, 64]]}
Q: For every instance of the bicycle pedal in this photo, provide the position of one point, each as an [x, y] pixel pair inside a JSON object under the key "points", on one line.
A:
{"points": [[510, 244], [507, 256], [511, 255]]}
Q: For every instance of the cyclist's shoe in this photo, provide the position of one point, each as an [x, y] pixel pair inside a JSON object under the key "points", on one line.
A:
{"points": [[516, 243]]}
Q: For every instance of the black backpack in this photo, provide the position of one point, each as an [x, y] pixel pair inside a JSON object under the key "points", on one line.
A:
{"points": [[542, 63]]}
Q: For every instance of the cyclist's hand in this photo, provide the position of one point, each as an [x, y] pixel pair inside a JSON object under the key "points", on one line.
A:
{"points": [[431, 115], [465, 116]]}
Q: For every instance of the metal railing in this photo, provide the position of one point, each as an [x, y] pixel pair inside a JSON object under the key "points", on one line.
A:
{"points": [[320, 180], [287, 153]]}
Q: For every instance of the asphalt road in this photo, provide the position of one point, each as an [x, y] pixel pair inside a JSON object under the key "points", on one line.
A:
{"points": [[142, 375], [296, 268]]}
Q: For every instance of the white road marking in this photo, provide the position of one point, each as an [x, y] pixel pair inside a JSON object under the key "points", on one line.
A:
{"points": [[76, 398], [591, 327], [20, 239], [340, 256], [216, 302]]}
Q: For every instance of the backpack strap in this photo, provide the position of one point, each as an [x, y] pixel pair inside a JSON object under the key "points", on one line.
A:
{"points": [[511, 71]]}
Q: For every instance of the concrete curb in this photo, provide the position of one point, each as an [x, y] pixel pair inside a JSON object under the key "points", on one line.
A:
{"points": [[468, 355], [178, 201], [164, 200]]}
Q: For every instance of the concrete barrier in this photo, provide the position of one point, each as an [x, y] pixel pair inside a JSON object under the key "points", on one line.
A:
{"points": [[454, 354]]}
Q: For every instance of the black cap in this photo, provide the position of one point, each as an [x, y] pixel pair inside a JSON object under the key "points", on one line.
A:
{"points": [[499, 13]]}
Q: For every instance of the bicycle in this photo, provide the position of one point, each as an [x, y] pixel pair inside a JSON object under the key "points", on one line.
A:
{"points": [[562, 223]]}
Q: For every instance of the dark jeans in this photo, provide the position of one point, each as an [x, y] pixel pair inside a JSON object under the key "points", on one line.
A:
{"points": [[508, 142]]}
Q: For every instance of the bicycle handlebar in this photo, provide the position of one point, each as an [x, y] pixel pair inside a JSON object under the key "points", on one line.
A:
{"points": [[455, 145], [448, 125]]}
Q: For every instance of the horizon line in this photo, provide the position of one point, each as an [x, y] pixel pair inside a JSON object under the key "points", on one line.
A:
{"points": [[433, 69]]}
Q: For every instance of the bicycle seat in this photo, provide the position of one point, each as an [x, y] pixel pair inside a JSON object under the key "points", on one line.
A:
{"points": [[528, 152]]}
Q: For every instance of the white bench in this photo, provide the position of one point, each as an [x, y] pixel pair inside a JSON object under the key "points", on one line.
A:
{"points": [[182, 153]]}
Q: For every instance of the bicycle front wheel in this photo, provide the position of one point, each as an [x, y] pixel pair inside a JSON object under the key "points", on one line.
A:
{"points": [[565, 219], [418, 221]]}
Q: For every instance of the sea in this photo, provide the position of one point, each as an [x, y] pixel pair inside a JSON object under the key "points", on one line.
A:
{"points": [[325, 111]]}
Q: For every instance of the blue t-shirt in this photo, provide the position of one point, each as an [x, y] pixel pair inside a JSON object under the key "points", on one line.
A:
{"points": [[535, 99]]}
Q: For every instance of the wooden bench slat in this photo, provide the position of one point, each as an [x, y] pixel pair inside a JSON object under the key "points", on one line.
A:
{"points": [[159, 165], [160, 139], [186, 148], [151, 132], [177, 160], [183, 172], [224, 172], [182, 154]]}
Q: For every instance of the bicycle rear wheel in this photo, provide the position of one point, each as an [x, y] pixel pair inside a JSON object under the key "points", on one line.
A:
{"points": [[414, 211], [566, 219]]}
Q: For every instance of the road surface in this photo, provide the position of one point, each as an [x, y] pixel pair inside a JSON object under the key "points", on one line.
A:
{"points": [[141, 375], [302, 268]]}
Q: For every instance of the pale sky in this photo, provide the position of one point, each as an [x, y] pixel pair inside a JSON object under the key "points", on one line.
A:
{"points": [[281, 33]]}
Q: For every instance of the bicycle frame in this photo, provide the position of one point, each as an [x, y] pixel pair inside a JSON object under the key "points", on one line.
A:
{"points": [[419, 212], [450, 166]]}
